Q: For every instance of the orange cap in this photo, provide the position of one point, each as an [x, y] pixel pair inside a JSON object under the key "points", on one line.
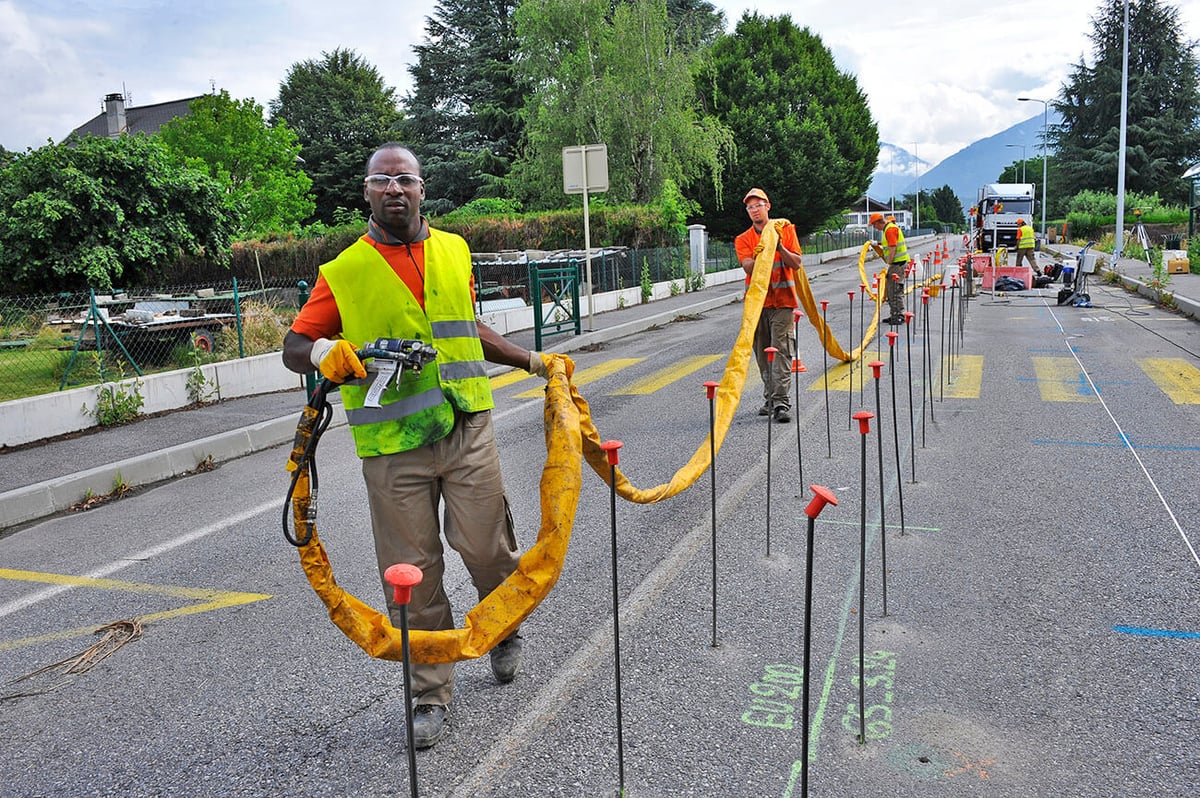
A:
{"points": [[875, 217], [755, 192], [1020, 221]]}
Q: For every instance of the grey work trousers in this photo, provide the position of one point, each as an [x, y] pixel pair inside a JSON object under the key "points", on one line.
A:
{"points": [[895, 290], [777, 328], [461, 471]]}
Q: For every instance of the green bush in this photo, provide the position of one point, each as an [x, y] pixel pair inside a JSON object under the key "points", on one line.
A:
{"points": [[487, 206], [1085, 225], [1101, 208]]}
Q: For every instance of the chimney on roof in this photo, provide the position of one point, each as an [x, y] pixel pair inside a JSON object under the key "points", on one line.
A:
{"points": [[114, 113]]}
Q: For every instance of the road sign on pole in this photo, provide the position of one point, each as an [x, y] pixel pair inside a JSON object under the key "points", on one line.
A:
{"points": [[585, 171]]}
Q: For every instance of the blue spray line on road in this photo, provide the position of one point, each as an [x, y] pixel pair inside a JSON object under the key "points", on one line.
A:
{"points": [[1142, 632], [1145, 471], [1125, 443]]}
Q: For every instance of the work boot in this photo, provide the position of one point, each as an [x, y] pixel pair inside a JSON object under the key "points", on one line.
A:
{"points": [[782, 415], [506, 659], [765, 410], [429, 725], [895, 321]]}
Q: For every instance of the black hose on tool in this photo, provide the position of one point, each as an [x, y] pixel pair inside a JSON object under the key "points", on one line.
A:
{"points": [[314, 420], [406, 354]]}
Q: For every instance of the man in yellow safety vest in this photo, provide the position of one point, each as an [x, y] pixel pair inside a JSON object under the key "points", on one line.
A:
{"points": [[427, 440], [1025, 244], [896, 258]]}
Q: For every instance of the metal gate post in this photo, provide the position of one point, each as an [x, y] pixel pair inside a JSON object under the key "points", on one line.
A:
{"points": [[561, 285]]}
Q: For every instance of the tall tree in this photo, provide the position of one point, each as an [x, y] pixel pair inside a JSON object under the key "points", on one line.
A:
{"points": [[1163, 136], [255, 163], [95, 211], [583, 57], [696, 23], [947, 206], [341, 111], [464, 114], [803, 129]]}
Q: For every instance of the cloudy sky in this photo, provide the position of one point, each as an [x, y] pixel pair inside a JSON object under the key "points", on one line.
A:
{"points": [[938, 75]]}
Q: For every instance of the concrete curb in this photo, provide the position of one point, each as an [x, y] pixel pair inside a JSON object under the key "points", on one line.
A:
{"points": [[56, 495], [1186, 306]]}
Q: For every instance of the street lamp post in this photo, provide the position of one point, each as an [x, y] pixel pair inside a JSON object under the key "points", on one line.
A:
{"points": [[917, 225], [1045, 131], [1022, 146]]}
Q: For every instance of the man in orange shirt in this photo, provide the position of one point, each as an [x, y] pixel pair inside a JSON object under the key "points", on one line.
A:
{"points": [[428, 449], [776, 324]]}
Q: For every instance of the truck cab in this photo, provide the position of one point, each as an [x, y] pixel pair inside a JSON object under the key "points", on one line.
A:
{"points": [[999, 207]]}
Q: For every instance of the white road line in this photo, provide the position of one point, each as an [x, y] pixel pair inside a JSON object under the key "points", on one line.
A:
{"points": [[112, 567], [1128, 445], [590, 655]]}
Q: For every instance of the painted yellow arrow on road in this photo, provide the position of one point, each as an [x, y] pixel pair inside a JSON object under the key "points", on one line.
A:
{"points": [[208, 600]]}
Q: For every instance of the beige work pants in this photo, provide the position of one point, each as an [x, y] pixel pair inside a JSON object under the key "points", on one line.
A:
{"points": [[461, 472]]}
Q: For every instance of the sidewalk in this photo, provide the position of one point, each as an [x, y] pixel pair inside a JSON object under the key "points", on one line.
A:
{"points": [[1137, 275]]}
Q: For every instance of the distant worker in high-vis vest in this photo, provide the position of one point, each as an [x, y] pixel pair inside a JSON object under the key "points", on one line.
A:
{"points": [[430, 441], [896, 258], [1025, 244]]}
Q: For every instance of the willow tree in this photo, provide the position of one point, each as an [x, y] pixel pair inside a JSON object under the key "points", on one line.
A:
{"points": [[604, 72]]}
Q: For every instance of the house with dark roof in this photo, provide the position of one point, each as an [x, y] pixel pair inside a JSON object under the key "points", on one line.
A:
{"points": [[117, 118], [859, 216]]}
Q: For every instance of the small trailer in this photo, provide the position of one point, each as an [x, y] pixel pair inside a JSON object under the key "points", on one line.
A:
{"points": [[147, 332]]}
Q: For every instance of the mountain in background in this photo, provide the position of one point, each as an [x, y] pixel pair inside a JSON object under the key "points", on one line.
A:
{"points": [[966, 170], [897, 169]]}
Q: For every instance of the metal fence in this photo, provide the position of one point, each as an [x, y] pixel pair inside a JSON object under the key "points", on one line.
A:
{"points": [[53, 342], [505, 275]]}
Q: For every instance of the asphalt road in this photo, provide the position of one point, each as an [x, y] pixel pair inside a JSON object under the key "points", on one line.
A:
{"points": [[1042, 635]]}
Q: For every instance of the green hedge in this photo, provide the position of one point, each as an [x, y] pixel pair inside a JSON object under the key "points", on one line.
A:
{"points": [[297, 257], [634, 226]]}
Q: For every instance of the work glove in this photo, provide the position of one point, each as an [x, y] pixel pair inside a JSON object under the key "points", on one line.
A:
{"points": [[539, 364], [336, 360], [758, 248], [780, 225]]}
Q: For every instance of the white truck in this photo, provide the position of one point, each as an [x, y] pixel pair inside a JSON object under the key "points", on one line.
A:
{"points": [[999, 207]]}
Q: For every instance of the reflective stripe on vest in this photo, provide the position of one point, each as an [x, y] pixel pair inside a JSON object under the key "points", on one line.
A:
{"points": [[374, 302], [901, 246], [776, 282], [394, 411]]}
